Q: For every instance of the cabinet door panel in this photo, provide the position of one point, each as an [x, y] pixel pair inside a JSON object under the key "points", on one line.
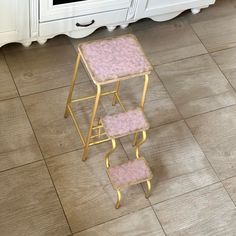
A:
{"points": [[14, 20], [50, 12], [149, 8]]}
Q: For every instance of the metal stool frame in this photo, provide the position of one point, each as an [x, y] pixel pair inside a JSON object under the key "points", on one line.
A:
{"points": [[86, 140]]}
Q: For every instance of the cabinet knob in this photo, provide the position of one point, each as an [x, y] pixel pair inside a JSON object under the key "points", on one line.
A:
{"points": [[85, 25]]}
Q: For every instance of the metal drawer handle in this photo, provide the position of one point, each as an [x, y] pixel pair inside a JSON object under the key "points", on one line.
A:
{"points": [[86, 25]]}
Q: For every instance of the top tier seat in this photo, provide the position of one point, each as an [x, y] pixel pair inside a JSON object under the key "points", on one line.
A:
{"points": [[114, 59]]}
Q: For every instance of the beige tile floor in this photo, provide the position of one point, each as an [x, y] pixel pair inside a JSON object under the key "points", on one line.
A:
{"points": [[45, 188]]}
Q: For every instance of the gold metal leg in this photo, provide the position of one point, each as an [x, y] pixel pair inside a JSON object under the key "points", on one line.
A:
{"points": [[117, 89], [146, 79], [118, 198], [107, 161], [148, 191], [137, 151], [85, 154], [134, 143], [72, 85], [145, 87]]}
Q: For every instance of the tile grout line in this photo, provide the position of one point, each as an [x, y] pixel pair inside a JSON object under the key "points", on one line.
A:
{"points": [[151, 205], [234, 90], [171, 98], [210, 55], [205, 112], [46, 165], [189, 128], [132, 212], [158, 219], [50, 176], [16, 167], [220, 181], [183, 194], [46, 158]]}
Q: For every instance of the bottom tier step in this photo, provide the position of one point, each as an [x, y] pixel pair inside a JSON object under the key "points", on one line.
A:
{"points": [[130, 173], [125, 123]]}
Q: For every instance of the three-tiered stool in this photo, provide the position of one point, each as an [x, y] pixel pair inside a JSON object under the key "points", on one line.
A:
{"points": [[111, 61]]}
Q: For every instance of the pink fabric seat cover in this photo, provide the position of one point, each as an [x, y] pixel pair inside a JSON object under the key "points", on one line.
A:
{"points": [[125, 123], [132, 172], [114, 58]]}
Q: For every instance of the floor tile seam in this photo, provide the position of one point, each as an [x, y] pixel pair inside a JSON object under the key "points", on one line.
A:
{"points": [[212, 58], [20, 166], [186, 193], [7, 99], [222, 73], [171, 98], [210, 96], [233, 176], [52, 89], [37, 47], [159, 221], [229, 195], [222, 50], [58, 197], [43, 159], [8, 67], [154, 211], [210, 164], [177, 60], [39, 92], [192, 172], [211, 111], [49, 173], [113, 219], [189, 57], [232, 15]]}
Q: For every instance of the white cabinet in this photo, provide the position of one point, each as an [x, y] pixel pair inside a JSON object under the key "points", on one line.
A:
{"points": [[25, 21], [80, 18], [161, 10], [14, 21]]}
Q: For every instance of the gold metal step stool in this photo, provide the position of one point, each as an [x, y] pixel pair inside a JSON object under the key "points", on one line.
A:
{"points": [[107, 61]]}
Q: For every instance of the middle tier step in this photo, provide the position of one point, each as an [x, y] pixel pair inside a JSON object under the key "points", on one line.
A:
{"points": [[125, 123]]}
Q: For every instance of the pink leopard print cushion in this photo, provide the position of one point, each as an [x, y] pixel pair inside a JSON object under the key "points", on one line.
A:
{"points": [[132, 172], [124, 123], [110, 59]]}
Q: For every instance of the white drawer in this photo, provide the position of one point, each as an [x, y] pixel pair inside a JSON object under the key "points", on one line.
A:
{"points": [[49, 12], [149, 8], [82, 23]]}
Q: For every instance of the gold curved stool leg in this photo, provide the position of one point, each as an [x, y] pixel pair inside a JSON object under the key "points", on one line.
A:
{"points": [[114, 101], [72, 85], [137, 151], [148, 192], [86, 146], [145, 87], [107, 161], [134, 143], [118, 198]]}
